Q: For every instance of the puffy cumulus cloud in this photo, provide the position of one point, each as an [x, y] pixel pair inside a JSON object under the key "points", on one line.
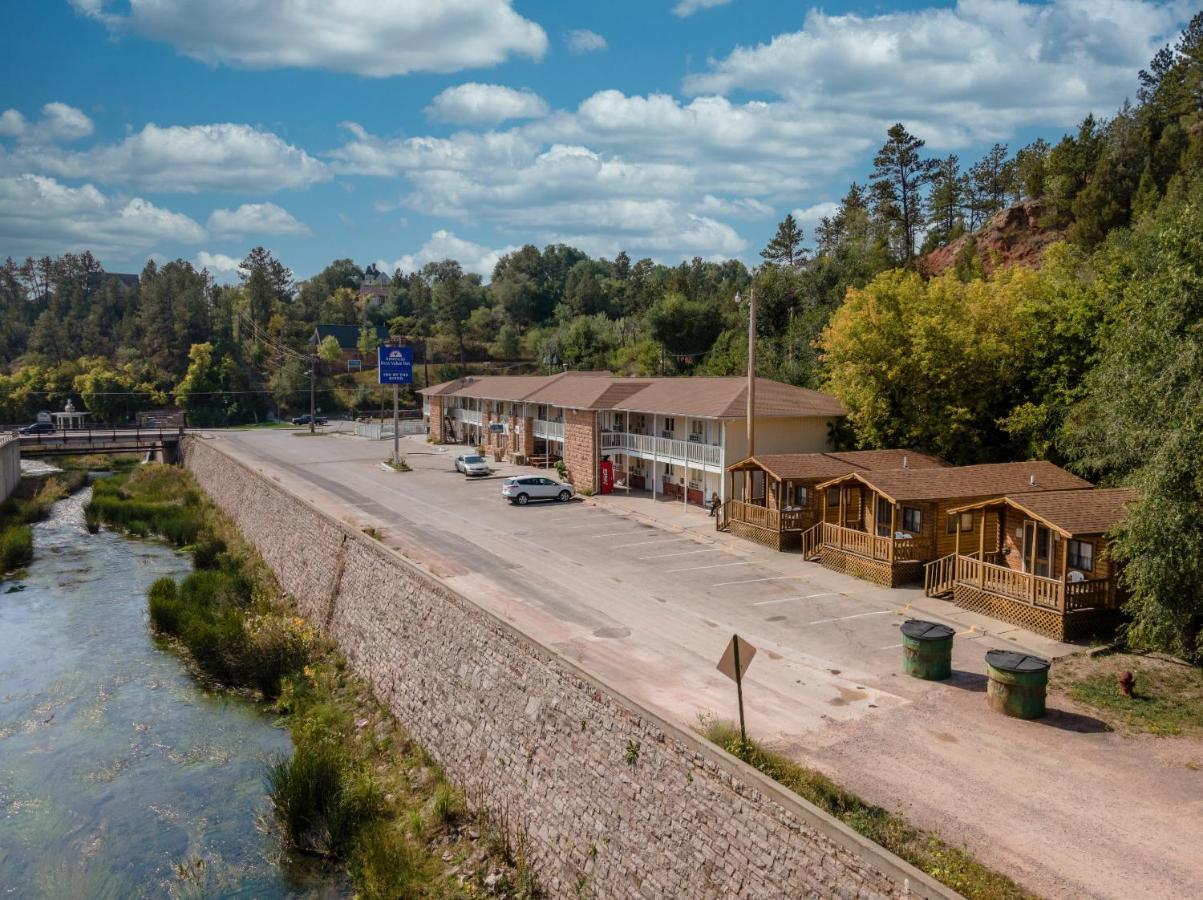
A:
{"points": [[58, 123], [223, 268], [38, 215], [687, 8], [582, 40], [973, 72], [377, 38], [474, 103], [224, 157], [810, 217], [255, 218], [444, 244]]}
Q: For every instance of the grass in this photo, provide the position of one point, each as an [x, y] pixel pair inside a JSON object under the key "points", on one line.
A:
{"points": [[16, 547], [949, 865], [1167, 698], [356, 792], [29, 503]]}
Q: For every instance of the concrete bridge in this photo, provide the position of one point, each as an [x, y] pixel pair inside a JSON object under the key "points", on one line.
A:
{"points": [[166, 441]]}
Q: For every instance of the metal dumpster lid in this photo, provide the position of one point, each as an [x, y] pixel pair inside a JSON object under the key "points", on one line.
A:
{"points": [[920, 630], [1013, 661]]}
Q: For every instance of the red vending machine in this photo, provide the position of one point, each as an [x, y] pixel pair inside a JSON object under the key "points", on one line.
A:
{"points": [[607, 477]]}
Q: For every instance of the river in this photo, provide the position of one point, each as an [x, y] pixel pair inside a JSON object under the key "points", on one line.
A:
{"points": [[120, 775]]}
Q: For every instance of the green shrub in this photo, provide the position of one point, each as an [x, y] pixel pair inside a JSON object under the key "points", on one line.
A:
{"points": [[207, 552], [322, 799], [385, 864], [164, 605], [16, 547]]}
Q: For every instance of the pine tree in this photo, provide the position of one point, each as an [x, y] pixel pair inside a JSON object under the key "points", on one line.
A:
{"points": [[785, 249], [899, 175], [945, 204], [991, 180]]}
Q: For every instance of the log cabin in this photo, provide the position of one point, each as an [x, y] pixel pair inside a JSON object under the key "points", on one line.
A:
{"points": [[772, 496], [1038, 560], [884, 526]]}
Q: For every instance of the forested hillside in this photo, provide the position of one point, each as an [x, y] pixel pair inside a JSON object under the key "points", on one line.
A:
{"points": [[1085, 345]]}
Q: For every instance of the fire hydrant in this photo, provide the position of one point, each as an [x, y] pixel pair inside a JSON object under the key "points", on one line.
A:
{"points": [[1127, 681]]}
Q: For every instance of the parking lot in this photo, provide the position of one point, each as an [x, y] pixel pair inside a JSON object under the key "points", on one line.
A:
{"points": [[646, 595]]}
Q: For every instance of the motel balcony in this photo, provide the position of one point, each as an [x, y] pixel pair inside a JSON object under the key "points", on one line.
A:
{"points": [[695, 454]]}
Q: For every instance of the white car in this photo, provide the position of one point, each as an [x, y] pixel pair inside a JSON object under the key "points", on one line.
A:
{"points": [[472, 465], [525, 488]]}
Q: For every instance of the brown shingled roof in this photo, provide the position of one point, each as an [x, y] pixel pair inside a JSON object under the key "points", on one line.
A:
{"points": [[723, 397], [1072, 513], [794, 466], [989, 479]]}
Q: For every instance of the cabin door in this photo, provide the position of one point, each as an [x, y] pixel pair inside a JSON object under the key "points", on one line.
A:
{"points": [[1037, 549]]}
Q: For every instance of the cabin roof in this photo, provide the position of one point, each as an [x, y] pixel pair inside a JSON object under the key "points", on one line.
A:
{"points": [[1072, 513], [346, 335], [955, 482], [798, 466]]}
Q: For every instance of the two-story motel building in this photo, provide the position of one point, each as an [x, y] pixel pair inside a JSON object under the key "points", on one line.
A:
{"points": [[670, 437]]}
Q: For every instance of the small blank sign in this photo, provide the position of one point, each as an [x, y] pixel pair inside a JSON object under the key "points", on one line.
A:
{"points": [[726, 665]]}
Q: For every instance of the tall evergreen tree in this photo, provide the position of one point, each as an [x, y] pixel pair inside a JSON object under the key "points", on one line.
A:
{"points": [[785, 249], [899, 176], [945, 203], [991, 181]]}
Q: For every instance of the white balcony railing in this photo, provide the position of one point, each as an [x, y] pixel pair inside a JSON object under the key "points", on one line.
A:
{"points": [[649, 446], [548, 430], [471, 416]]}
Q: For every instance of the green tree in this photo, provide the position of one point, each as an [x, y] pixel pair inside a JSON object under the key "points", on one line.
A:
{"points": [[945, 204], [899, 176], [686, 328], [328, 349], [199, 393], [785, 249]]}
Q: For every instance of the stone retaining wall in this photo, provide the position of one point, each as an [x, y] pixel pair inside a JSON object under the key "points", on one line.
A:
{"points": [[613, 801], [10, 465]]}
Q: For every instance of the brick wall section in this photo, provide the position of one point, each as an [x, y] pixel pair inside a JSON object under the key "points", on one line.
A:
{"points": [[437, 422], [535, 738], [580, 448], [525, 428]]}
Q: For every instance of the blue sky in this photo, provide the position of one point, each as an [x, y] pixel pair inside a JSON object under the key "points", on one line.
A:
{"points": [[402, 131]]}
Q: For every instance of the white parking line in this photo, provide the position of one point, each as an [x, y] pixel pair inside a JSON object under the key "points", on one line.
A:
{"points": [[890, 647], [882, 612], [682, 553], [592, 525], [614, 533], [788, 599], [715, 566], [652, 541], [752, 580]]}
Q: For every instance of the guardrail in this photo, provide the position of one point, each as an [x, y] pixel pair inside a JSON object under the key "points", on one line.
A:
{"points": [[554, 431]]}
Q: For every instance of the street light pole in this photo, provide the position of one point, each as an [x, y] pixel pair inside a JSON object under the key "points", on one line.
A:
{"points": [[312, 392]]}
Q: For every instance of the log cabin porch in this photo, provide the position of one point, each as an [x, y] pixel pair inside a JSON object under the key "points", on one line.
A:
{"points": [[1036, 560]]}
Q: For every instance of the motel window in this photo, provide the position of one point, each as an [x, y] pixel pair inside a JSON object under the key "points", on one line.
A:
{"points": [[800, 495], [670, 424], [1081, 555], [668, 468], [912, 519], [639, 424], [965, 519], [697, 430]]}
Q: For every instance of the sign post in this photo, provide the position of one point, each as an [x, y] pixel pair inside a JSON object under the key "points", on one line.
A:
{"points": [[395, 366], [736, 659]]}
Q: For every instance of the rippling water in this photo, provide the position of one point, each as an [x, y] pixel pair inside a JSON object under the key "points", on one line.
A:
{"points": [[119, 775]]}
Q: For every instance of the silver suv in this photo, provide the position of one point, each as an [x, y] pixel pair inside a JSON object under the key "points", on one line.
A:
{"points": [[525, 488]]}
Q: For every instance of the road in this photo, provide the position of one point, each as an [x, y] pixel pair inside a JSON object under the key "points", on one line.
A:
{"points": [[645, 596]]}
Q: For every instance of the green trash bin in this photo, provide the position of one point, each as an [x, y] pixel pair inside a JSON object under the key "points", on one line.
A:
{"points": [[927, 649], [1018, 683]]}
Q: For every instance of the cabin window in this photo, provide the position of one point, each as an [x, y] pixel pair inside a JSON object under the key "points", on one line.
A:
{"points": [[965, 519], [800, 495], [884, 517], [833, 496], [912, 519], [1081, 555]]}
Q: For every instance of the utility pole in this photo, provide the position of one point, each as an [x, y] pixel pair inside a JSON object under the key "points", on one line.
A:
{"points": [[751, 370], [396, 427], [312, 391]]}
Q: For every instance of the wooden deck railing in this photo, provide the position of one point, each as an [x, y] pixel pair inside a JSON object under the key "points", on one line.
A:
{"points": [[1092, 594], [763, 517], [1022, 587], [812, 540], [939, 575], [872, 546]]}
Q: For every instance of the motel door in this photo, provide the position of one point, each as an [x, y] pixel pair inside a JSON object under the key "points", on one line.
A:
{"points": [[1037, 537]]}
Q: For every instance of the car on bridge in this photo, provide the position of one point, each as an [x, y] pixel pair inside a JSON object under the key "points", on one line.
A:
{"points": [[522, 489], [38, 428]]}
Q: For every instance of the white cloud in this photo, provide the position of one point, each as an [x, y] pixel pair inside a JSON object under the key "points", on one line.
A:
{"points": [[59, 122], [223, 268], [255, 218], [810, 217], [38, 215], [366, 37], [974, 72], [224, 157], [688, 7], [582, 40], [442, 245], [474, 103]]}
